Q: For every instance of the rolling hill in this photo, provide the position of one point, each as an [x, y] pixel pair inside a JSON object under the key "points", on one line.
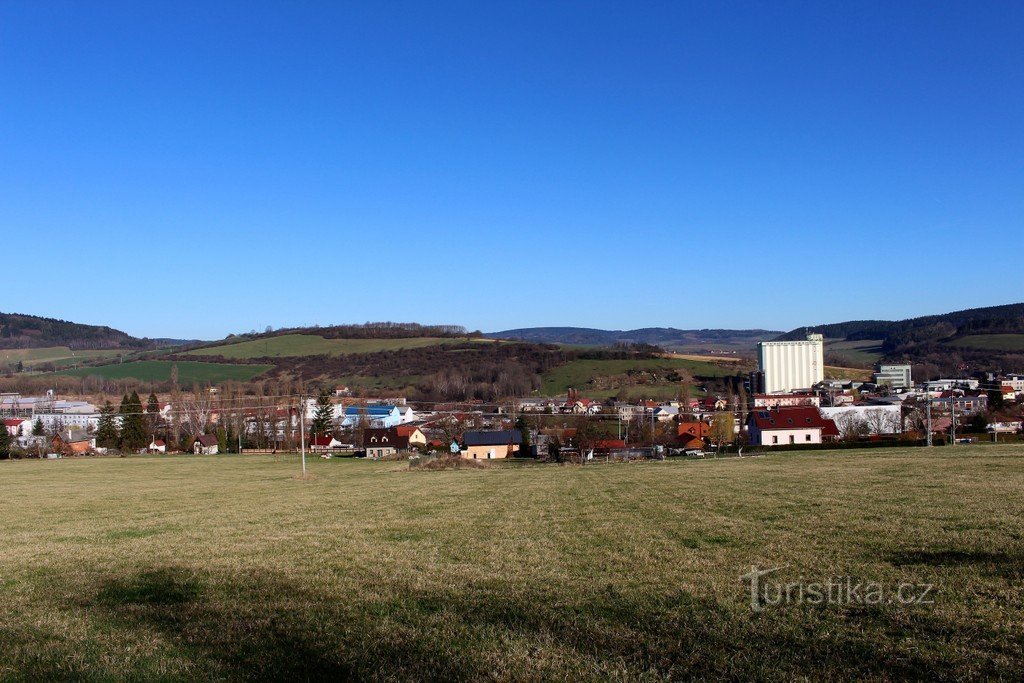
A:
{"points": [[20, 331], [990, 338], [668, 338]]}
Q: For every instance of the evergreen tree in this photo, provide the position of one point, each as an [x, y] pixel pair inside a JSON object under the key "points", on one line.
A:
{"points": [[524, 431], [323, 415], [106, 431], [133, 425], [38, 429], [152, 414], [5, 443]]}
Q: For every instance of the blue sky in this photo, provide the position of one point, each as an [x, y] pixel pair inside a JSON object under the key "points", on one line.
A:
{"points": [[193, 169]]}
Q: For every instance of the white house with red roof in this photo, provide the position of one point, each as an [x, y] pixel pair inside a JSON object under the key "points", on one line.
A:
{"points": [[17, 426], [790, 426]]}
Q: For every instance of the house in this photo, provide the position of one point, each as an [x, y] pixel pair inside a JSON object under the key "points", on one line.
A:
{"points": [[157, 446], [687, 431], [1009, 394], [665, 413], [414, 437], [790, 426], [491, 445], [324, 443], [691, 443], [205, 445], [17, 426], [379, 443], [963, 405], [786, 400], [73, 442]]}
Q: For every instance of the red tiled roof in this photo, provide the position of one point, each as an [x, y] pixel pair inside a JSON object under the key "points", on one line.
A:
{"points": [[13, 423], [692, 442], [796, 417], [321, 441], [609, 444], [697, 429], [405, 430]]}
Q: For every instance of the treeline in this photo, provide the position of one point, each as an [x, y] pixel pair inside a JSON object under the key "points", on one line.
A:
{"points": [[18, 331], [458, 371], [946, 324]]}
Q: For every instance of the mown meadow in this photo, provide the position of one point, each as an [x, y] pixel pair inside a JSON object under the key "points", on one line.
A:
{"points": [[232, 567]]}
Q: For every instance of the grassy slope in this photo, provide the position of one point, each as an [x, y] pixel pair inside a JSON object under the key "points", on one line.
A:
{"points": [[578, 372], [998, 342], [313, 345], [160, 371], [58, 354], [230, 567], [866, 351]]}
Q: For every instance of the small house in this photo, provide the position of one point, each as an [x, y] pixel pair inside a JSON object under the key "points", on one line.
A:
{"points": [[157, 446], [490, 445], [206, 444], [73, 442]]}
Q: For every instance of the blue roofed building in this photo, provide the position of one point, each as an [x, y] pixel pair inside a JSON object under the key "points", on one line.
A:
{"points": [[378, 416]]}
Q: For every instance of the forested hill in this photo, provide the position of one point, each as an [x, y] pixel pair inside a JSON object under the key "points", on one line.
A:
{"points": [[667, 337], [19, 331], [1008, 318]]}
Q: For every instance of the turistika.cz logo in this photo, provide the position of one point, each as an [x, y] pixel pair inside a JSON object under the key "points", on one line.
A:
{"points": [[836, 590]]}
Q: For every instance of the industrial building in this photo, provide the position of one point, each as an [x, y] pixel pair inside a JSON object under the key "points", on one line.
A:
{"points": [[788, 366]]}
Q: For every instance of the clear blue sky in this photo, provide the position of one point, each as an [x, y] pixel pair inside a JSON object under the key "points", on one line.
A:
{"points": [[194, 169]]}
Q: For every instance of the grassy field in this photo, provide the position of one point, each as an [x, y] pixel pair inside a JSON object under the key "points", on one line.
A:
{"points": [[61, 355], [862, 352], [313, 345], [833, 372], [160, 371], [998, 342], [232, 568], [578, 374]]}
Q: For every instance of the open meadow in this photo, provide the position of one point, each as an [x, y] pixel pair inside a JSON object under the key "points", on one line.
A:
{"points": [[160, 371], [288, 345], [230, 567]]}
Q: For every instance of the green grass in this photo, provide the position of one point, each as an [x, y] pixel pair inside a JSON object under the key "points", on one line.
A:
{"points": [[998, 342], [230, 567], [160, 371], [59, 355], [287, 345], [860, 352], [578, 374]]}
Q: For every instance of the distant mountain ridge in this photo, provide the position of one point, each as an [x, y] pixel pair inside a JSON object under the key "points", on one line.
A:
{"points": [[669, 337], [1008, 318], [21, 331]]}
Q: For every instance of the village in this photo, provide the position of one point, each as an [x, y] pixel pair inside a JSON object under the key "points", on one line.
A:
{"points": [[785, 404]]}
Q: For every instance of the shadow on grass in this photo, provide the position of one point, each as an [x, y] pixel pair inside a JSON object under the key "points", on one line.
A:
{"points": [[1006, 565], [266, 627]]}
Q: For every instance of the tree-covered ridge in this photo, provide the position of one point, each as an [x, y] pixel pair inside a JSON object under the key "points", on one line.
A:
{"points": [[989, 320], [19, 331]]}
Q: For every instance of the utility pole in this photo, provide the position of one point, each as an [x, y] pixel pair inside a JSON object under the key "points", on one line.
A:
{"points": [[952, 419], [928, 409], [302, 431]]}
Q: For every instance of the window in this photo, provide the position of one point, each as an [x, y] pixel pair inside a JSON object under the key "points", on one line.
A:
{"points": [[808, 438], [792, 439], [775, 439]]}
